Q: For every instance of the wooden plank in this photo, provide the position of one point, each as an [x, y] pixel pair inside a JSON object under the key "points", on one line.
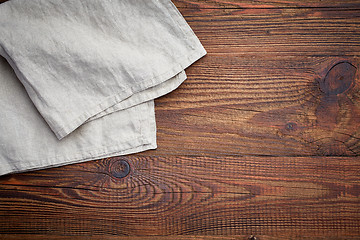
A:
{"points": [[191, 237], [269, 106], [263, 4], [276, 196], [111, 237], [290, 32], [257, 92]]}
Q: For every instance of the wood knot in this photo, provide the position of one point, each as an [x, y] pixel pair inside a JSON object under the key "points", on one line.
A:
{"points": [[339, 79], [253, 238], [119, 168], [291, 126]]}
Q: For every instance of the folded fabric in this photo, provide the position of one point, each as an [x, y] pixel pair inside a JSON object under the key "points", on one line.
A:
{"points": [[80, 77]]}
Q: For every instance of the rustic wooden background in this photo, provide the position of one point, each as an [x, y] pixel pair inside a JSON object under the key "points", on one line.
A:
{"points": [[261, 142]]}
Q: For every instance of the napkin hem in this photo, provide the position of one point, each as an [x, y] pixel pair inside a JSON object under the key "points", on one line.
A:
{"points": [[145, 140], [96, 155]]}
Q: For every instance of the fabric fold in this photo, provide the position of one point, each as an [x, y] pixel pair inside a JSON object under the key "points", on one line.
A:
{"points": [[78, 59], [78, 79]]}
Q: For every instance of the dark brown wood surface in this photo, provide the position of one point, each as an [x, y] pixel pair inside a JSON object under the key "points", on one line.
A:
{"points": [[262, 141]]}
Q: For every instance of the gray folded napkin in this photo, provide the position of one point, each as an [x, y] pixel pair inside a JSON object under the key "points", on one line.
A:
{"points": [[80, 77]]}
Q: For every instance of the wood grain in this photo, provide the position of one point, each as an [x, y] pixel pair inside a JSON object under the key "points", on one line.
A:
{"points": [[318, 196], [262, 138], [191, 237], [264, 4], [262, 74], [290, 32], [233, 105]]}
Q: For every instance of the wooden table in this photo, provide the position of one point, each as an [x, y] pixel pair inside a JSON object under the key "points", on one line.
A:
{"points": [[261, 142]]}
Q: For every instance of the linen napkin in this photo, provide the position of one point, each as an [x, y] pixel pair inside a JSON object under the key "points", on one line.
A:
{"points": [[80, 77]]}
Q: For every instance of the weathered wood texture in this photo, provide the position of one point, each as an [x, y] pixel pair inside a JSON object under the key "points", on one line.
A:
{"points": [[263, 138], [261, 75], [195, 237], [261, 4], [288, 196]]}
